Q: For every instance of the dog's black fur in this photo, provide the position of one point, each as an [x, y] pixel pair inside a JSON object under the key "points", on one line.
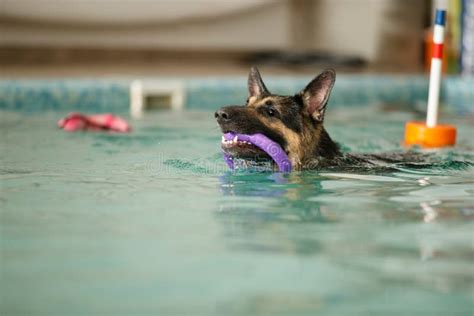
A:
{"points": [[295, 123]]}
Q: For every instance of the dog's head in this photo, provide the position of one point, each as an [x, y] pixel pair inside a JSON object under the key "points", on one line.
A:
{"points": [[295, 122]]}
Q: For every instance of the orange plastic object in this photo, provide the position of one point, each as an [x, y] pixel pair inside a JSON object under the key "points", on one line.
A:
{"points": [[417, 133]]}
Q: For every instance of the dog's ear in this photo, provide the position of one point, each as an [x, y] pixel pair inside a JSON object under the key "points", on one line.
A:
{"points": [[316, 94], [255, 84]]}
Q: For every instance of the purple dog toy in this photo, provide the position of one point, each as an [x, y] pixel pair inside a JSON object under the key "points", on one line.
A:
{"points": [[264, 143]]}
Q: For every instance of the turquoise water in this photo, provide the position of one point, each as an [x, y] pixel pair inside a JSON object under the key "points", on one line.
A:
{"points": [[153, 223]]}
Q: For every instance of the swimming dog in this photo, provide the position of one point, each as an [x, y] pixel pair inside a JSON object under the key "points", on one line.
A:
{"points": [[295, 123], [293, 126]]}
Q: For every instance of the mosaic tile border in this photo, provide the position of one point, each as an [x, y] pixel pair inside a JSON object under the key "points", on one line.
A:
{"points": [[209, 93]]}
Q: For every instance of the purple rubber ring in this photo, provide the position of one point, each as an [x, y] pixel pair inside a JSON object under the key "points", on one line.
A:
{"points": [[264, 143]]}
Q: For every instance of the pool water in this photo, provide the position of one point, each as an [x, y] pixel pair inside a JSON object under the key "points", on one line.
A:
{"points": [[154, 223]]}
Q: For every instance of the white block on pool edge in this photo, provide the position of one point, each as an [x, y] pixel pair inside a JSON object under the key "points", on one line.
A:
{"points": [[433, 94], [155, 94], [136, 99]]}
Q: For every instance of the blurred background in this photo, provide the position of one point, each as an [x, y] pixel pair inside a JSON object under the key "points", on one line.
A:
{"points": [[181, 37]]}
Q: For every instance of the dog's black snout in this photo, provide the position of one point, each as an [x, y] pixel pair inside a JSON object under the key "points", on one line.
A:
{"points": [[222, 115]]}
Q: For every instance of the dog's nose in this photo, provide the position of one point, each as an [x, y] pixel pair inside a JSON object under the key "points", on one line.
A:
{"points": [[222, 115]]}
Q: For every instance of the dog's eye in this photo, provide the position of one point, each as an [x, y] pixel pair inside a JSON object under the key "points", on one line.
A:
{"points": [[269, 103], [271, 112]]}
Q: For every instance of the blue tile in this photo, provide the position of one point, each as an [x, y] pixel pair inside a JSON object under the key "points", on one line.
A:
{"points": [[209, 93]]}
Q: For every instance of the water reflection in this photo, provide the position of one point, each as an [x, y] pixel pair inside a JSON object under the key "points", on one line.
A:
{"points": [[270, 212], [351, 221], [285, 197]]}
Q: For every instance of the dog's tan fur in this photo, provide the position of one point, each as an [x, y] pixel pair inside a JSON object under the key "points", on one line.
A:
{"points": [[295, 122], [299, 145]]}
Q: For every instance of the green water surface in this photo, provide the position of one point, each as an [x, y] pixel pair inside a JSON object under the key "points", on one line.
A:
{"points": [[153, 223]]}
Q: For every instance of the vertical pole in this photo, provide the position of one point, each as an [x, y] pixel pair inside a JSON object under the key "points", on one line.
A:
{"points": [[436, 69]]}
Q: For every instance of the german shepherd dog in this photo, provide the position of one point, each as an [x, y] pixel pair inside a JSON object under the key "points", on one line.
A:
{"points": [[295, 123]]}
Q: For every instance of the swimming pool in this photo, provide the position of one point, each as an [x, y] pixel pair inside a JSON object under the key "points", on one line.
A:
{"points": [[154, 223]]}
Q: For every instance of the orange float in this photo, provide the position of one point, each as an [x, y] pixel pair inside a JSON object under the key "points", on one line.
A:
{"points": [[418, 133]]}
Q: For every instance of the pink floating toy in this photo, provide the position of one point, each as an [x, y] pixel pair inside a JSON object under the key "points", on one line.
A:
{"points": [[97, 122]]}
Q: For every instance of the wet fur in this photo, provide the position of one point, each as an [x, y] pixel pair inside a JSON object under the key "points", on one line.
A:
{"points": [[295, 123]]}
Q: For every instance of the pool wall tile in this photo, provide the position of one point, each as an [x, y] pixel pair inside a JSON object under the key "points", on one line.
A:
{"points": [[209, 93], [64, 95]]}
